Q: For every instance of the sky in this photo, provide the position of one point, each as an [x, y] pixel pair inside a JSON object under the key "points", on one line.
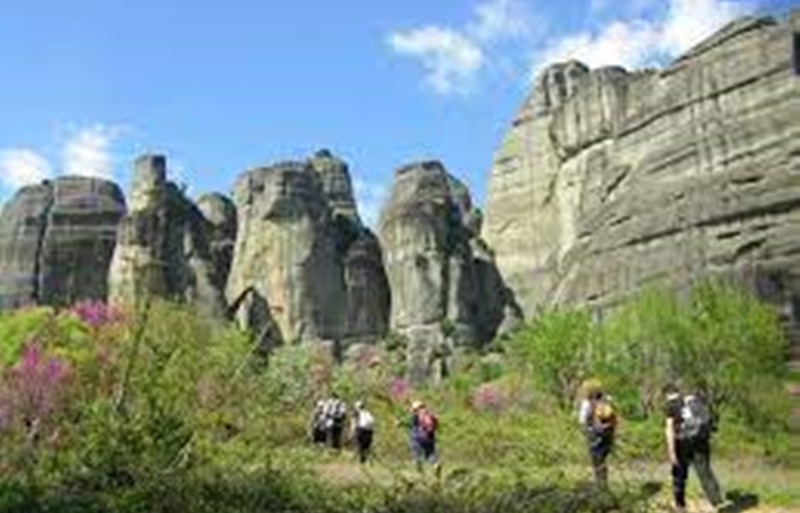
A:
{"points": [[220, 87]]}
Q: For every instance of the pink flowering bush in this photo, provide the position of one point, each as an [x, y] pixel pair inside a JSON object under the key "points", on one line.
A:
{"points": [[490, 397], [35, 390], [97, 313], [400, 390]]}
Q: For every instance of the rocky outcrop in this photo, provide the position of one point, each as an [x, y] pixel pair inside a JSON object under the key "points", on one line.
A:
{"points": [[443, 294], [220, 214], [56, 240], [163, 246], [366, 318], [286, 251], [334, 177], [305, 256], [610, 180]]}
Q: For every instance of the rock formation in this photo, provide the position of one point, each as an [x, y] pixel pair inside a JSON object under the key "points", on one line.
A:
{"points": [[334, 178], [163, 246], [56, 240], [220, 213], [304, 256], [443, 296], [611, 180]]}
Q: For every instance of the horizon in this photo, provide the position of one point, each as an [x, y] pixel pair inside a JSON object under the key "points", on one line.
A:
{"points": [[96, 86]]}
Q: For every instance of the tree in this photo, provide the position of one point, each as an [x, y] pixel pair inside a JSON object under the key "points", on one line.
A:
{"points": [[555, 348]]}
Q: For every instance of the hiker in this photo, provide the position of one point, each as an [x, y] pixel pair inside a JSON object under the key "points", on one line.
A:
{"points": [[423, 425], [318, 428], [598, 421], [688, 430], [335, 413], [363, 430]]}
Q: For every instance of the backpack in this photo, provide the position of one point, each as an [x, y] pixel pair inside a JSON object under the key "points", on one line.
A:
{"points": [[604, 417], [365, 420], [696, 418], [428, 423], [337, 411]]}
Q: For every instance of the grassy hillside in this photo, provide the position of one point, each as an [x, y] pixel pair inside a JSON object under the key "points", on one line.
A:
{"points": [[159, 410]]}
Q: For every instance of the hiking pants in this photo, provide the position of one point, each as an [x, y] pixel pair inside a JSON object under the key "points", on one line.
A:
{"points": [[364, 443], [424, 449], [697, 453], [599, 450], [319, 435], [336, 434]]}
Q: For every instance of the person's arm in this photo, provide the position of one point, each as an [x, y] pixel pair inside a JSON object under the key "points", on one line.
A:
{"points": [[585, 416], [669, 431]]}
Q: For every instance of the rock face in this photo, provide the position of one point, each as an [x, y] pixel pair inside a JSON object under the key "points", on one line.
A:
{"points": [[610, 180], [334, 178], [444, 295], [56, 240], [163, 246], [304, 256], [366, 318], [220, 214]]}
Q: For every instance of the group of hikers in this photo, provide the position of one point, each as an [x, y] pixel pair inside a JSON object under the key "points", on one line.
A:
{"points": [[689, 426], [329, 419]]}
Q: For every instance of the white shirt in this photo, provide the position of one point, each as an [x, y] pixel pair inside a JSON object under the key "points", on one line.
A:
{"points": [[364, 420]]}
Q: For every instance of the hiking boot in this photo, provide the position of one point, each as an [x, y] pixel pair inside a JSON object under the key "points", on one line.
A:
{"points": [[725, 507]]}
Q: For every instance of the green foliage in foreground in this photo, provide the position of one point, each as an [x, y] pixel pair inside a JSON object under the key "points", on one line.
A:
{"points": [[720, 340], [163, 411]]}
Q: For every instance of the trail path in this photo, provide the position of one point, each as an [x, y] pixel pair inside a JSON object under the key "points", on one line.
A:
{"points": [[344, 471]]}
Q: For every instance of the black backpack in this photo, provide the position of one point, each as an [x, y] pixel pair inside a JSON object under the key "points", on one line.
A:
{"points": [[696, 419]]}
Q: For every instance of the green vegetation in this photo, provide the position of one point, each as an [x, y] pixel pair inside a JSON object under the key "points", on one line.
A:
{"points": [[160, 410]]}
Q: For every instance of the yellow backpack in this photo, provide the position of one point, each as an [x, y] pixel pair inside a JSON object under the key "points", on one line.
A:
{"points": [[603, 414]]}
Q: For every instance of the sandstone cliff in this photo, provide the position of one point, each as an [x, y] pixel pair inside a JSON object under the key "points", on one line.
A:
{"points": [[610, 180], [443, 294], [163, 246], [56, 240], [304, 257], [220, 214]]}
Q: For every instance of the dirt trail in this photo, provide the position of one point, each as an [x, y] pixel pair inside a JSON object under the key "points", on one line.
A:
{"points": [[347, 472]]}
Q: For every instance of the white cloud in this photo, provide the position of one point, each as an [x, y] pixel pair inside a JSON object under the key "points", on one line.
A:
{"points": [[370, 197], [690, 21], [639, 42], [21, 166], [626, 44], [453, 57], [450, 58], [88, 151], [501, 19]]}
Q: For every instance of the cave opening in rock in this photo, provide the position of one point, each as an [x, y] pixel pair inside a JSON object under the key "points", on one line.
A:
{"points": [[796, 54]]}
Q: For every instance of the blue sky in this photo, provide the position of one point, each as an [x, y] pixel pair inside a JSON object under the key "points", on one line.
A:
{"points": [[223, 86]]}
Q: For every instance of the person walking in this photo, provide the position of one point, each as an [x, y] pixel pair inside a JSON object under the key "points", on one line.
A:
{"points": [[363, 431], [423, 428], [318, 425], [598, 421], [688, 429], [335, 419]]}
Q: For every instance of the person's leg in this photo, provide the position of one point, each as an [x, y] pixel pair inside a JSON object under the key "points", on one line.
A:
{"points": [[363, 441], [701, 459], [336, 435], [368, 437], [417, 452], [429, 448], [599, 467], [680, 471]]}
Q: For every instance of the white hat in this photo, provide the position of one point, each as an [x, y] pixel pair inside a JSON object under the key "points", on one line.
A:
{"points": [[416, 405]]}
